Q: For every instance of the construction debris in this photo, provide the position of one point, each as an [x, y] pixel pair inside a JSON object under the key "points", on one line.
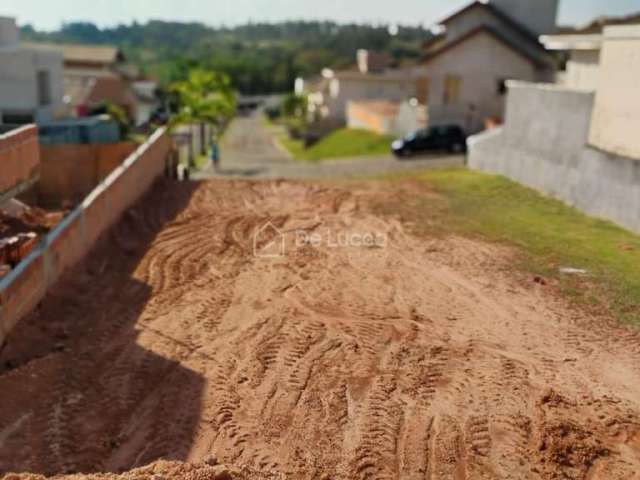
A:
{"points": [[21, 227]]}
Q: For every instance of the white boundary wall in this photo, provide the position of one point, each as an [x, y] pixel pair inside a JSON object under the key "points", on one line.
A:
{"points": [[544, 145]]}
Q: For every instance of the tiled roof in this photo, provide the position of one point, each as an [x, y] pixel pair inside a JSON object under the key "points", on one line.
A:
{"points": [[524, 31], [112, 89], [392, 75], [490, 31], [94, 54]]}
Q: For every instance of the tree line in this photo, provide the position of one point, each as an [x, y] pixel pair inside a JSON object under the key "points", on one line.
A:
{"points": [[259, 58]]}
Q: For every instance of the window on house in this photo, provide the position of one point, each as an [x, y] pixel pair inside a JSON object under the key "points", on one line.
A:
{"points": [[44, 88], [451, 89], [501, 87], [422, 90]]}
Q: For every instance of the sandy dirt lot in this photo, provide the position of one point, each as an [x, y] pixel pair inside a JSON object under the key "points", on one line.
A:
{"points": [[402, 358]]}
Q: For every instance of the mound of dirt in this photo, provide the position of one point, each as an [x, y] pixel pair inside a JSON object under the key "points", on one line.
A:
{"points": [[255, 322], [570, 451], [163, 470]]}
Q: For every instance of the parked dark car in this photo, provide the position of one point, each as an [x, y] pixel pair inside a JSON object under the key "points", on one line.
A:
{"points": [[450, 138]]}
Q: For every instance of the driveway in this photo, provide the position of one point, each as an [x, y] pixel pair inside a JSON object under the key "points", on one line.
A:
{"points": [[250, 149]]}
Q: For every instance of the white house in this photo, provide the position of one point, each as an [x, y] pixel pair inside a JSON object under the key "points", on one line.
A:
{"points": [[582, 70], [461, 79], [582, 47], [31, 79], [616, 113], [482, 46], [329, 94], [94, 74], [390, 85]]}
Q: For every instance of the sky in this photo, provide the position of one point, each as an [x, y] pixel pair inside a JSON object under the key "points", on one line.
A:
{"points": [[50, 14]]}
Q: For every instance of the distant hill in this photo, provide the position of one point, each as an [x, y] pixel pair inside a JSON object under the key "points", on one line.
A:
{"points": [[260, 58]]}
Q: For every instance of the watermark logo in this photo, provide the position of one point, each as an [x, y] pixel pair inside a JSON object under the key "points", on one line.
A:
{"points": [[341, 239], [269, 242]]}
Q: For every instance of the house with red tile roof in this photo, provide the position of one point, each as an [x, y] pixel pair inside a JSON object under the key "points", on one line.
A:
{"points": [[96, 74]]}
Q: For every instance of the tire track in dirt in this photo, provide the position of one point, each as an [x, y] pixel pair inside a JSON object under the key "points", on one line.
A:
{"points": [[376, 453], [413, 361]]}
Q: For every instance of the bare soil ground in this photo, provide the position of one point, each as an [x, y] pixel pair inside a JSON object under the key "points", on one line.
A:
{"points": [[425, 358]]}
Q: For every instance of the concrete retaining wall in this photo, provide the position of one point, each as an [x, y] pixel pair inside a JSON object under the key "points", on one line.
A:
{"points": [[544, 145], [19, 159], [73, 238]]}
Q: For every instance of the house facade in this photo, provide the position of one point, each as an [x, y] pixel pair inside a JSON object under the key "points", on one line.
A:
{"points": [[329, 94], [31, 79], [482, 47], [582, 70], [95, 74], [345, 87], [582, 47], [616, 113], [462, 76]]}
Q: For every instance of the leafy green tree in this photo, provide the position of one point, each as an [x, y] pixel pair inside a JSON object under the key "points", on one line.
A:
{"points": [[294, 105], [204, 97], [120, 117], [117, 114], [259, 58]]}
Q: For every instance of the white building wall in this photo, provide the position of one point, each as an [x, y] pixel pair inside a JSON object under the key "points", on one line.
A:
{"points": [[9, 32], [616, 117], [19, 84], [583, 70], [345, 90], [481, 63]]}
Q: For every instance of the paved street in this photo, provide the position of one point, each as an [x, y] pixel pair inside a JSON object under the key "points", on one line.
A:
{"points": [[249, 149]]}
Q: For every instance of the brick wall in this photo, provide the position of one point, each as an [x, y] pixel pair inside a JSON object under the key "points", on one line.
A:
{"points": [[73, 238], [19, 157], [69, 172]]}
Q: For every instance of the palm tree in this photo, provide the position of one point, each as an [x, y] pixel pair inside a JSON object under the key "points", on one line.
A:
{"points": [[204, 97]]}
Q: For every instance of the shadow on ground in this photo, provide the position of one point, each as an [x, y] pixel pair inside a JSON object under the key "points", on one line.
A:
{"points": [[79, 394], [240, 172]]}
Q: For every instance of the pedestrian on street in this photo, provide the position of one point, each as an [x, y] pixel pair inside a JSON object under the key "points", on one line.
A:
{"points": [[215, 156]]}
